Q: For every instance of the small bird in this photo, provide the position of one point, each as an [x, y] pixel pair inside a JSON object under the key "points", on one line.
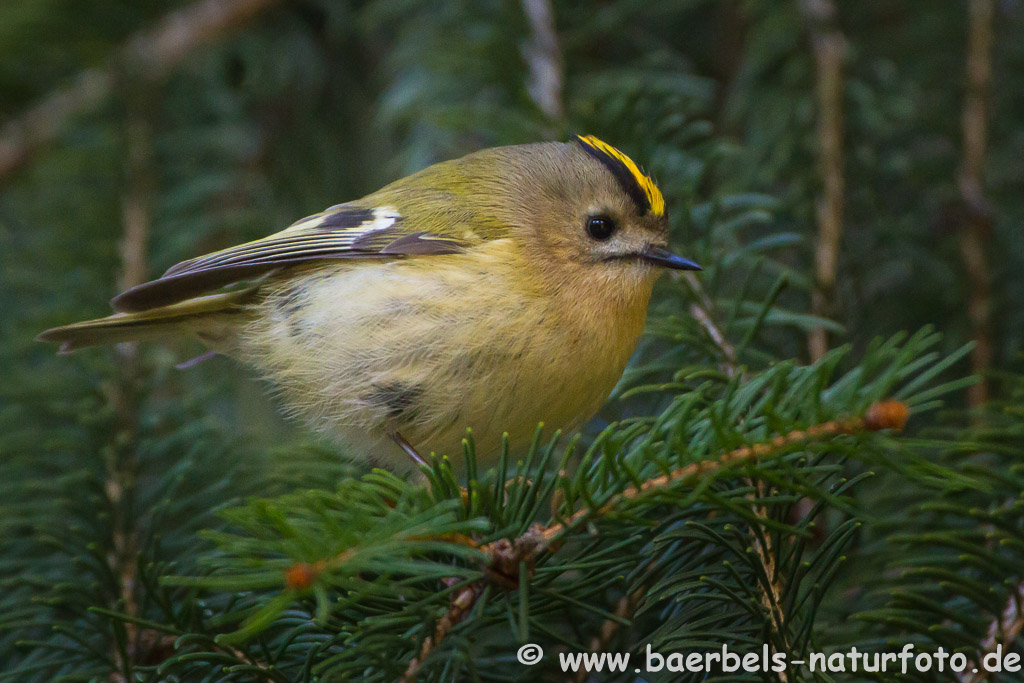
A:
{"points": [[493, 292]]}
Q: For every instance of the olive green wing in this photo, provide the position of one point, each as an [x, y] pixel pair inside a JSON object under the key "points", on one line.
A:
{"points": [[345, 231]]}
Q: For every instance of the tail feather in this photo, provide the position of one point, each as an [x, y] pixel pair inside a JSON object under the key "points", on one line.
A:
{"points": [[156, 323]]}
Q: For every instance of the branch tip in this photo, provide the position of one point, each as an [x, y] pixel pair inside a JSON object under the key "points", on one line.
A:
{"points": [[301, 576], [887, 415]]}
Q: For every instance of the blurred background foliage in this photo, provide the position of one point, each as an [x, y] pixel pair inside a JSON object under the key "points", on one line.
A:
{"points": [[142, 133]]}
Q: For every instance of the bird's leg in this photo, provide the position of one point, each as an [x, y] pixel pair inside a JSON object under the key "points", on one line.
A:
{"points": [[418, 459], [407, 447]]}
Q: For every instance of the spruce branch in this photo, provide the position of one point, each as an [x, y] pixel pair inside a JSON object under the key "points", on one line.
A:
{"points": [[883, 415], [505, 557], [150, 54]]}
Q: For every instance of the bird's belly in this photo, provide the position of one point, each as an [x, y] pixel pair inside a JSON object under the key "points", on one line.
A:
{"points": [[362, 352]]}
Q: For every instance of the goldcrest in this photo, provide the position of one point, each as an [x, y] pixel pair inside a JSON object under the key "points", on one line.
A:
{"points": [[495, 291]]}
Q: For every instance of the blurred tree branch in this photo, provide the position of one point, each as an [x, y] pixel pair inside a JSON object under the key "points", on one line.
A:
{"points": [[829, 51], [977, 223], [123, 463], [544, 58], [150, 54]]}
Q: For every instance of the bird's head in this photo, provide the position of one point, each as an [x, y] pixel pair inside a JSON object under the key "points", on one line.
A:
{"points": [[584, 213]]}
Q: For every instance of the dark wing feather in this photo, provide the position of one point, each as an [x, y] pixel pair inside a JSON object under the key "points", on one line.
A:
{"points": [[342, 232]]}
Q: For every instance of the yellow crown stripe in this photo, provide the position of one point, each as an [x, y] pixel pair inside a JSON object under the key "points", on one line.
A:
{"points": [[654, 196]]}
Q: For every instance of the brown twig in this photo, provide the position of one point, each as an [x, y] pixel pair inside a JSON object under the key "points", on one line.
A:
{"points": [[702, 310], [505, 556], [976, 229], [624, 609], [772, 592], [462, 603], [829, 51], [1004, 629], [544, 58], [150, 54]]}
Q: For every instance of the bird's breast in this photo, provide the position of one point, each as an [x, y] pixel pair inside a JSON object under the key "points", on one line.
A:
{"points": [[430, 346]]}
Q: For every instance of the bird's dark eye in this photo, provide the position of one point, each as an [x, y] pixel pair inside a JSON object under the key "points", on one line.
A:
{"points": [[600, 227]]}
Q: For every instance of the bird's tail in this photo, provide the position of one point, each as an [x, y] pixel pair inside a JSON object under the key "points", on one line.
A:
{"points": [[192, 315]]}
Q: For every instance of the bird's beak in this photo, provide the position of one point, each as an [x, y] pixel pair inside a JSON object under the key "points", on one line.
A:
{"points": [[662, 257]]}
